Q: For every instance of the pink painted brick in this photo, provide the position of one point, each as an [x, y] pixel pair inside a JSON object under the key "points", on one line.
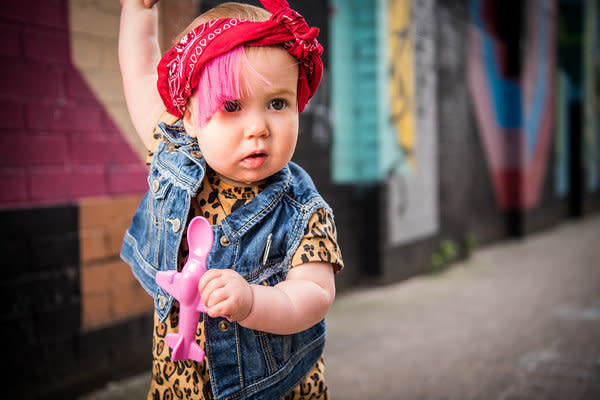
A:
{"points": [[24, 150], [11, 40], [11, 151], [87, 118], [16, 10], [13, 186], [12, 115], [121, 152], [127, 178], [47, 45], [52, 13], [109, 127], [76, 87], [89, 149], [21, 80], [68, 118], [49, 184], [49, 149], [87, 182]]}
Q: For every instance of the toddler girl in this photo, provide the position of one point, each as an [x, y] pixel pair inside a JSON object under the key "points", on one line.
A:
{"points": [[233, 86]]}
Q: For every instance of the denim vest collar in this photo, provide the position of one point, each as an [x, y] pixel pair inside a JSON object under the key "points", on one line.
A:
{"points": [[235, 224], [183, 169]]}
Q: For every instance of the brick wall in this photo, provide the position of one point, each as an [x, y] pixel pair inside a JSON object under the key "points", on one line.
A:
{"points": [[40, 286], [58, 142], [109, 292], [71, 176], [461, 151]]}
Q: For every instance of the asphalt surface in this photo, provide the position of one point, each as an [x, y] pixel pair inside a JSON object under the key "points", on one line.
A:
{"points": [[519, 320]]}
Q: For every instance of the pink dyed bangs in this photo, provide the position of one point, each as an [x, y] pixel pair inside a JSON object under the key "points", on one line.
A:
{"points": [[220, 81]]}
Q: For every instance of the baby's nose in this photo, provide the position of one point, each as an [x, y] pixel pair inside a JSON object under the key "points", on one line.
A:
{"points": [[257, 126]]}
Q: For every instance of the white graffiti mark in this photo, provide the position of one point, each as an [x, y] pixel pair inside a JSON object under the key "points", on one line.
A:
{"points": [[398, 196], [413, 206]]}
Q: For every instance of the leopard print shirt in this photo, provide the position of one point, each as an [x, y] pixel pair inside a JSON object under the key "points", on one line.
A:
{"points": [[190, 379]]}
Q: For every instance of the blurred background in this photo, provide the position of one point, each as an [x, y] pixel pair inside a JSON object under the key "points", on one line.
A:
{"points": [[440, 126]]}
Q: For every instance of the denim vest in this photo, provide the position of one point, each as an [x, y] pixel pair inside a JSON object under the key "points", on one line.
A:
{"points": [[244, 363]]}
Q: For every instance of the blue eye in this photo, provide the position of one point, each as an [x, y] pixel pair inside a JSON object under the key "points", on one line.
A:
{"points": [[231, 106], [278, 104]]}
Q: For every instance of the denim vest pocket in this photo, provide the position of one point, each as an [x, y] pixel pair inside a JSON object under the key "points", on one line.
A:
{"points": [[269, 274]]}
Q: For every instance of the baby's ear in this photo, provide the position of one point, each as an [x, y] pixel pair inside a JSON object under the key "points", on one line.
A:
{"points": [[189, 123]]}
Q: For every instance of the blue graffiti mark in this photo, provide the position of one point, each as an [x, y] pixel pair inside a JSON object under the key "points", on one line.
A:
{"points": [[507, 96], [534, 118]]}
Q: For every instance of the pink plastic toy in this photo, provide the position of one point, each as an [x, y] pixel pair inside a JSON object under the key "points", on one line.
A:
{"points": [[184, 287]]}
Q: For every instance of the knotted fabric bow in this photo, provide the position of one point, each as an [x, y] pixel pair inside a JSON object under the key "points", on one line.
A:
{"points": [[179, 69]]}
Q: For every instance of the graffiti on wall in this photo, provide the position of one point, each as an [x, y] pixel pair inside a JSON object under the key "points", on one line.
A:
{"points": [[591, 92], [401, 80], [412, 194], [79, 151], [564, 92], [514, 116]]}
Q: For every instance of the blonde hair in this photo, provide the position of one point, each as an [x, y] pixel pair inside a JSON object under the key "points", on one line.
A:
{"points": [[227, 10]]}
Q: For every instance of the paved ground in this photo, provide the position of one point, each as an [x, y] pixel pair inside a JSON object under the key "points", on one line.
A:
{"points": [[519, 320]]}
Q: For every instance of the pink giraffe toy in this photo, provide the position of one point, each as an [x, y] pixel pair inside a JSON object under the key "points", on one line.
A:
{"points": [[184, 287]]}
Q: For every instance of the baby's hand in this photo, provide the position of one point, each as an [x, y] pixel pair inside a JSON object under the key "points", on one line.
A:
{"points": [[226, 293], [147, 3]]}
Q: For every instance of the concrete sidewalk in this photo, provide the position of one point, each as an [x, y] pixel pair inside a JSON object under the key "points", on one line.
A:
{"points": [[519, 320]]}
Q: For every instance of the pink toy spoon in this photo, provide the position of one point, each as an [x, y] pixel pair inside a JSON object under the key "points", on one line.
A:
{"points": [[184, 287]]}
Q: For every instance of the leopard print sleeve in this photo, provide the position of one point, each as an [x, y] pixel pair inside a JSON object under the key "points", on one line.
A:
{"points": [[319, 242], [157, 134]]}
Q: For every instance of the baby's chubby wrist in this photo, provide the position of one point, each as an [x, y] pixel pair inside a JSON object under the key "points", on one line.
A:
{"points": [[250, 302]]}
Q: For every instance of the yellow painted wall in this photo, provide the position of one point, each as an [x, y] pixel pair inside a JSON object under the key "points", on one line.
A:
{"points": [[402, 86]]}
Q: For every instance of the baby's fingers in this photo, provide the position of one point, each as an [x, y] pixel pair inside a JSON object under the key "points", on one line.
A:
{"points": [[223, 309], [216, 296], [207, 278]]}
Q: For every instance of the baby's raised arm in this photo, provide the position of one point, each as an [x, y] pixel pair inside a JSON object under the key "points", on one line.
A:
{"points": [[139, 54]]}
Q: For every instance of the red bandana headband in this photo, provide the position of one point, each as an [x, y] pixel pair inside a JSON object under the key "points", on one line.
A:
{"points": [[179, 69]]}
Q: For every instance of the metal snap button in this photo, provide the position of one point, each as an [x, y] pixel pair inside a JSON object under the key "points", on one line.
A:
{"points": [[224, 241], [196, 153], [162, 301], [155, 185], [223, 325], [175, 224]]}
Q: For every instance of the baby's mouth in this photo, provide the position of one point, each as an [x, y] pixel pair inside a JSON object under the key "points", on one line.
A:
{"points": [[255, 160]]}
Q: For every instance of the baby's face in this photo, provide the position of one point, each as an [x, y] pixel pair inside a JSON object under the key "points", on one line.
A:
{"points": [[251, 138]]}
